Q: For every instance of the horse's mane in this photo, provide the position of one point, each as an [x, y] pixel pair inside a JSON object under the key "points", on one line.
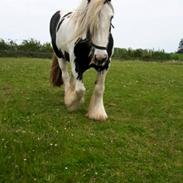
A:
{"points": [[86, 17]]}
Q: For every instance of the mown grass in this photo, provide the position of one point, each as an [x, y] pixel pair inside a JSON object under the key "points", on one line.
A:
{"points": [[40, 141]]}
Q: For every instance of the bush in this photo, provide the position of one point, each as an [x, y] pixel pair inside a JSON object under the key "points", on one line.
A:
{"points": [[28, 48], [33, 48], [146, 55]]}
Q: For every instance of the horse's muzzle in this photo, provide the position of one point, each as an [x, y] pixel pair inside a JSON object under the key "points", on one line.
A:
{"points": [[99, 62]]}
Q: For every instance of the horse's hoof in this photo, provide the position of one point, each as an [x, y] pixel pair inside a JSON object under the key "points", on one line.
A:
{"points": [[97, 116], [75, 104]]}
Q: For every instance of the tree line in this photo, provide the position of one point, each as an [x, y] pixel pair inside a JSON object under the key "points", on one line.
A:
{"points": [[145, 54], [34, 48], [27, 48]]}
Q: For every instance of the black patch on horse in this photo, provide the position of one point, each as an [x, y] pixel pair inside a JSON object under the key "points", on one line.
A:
{"points": [[63, 18], [58, 27], [53, 26], [110, 45], [107, 1], [67, 14], [83, 51], [67, 56]]}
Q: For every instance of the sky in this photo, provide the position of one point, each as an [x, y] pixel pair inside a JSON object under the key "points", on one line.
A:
{"points": [[147, 24]]}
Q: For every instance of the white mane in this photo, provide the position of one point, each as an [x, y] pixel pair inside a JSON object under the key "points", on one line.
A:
{"points": [[86, 17]]}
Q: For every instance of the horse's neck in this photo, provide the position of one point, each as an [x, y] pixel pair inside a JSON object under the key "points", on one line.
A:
{"points": [[66, 34]]}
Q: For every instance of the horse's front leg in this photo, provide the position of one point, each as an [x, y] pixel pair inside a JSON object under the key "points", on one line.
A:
{"points": [[74, 96], [96, 108]]}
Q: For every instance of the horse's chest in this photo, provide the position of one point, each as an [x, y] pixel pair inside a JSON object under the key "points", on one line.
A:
{"points": [[83, 54]]}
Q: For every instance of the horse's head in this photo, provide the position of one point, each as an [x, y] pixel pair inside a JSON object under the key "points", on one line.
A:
{"points": [[93, 18], [101, 30]]}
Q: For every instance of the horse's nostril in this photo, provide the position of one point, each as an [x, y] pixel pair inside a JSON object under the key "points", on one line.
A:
{"points": [[105, 57], [100, 60]]}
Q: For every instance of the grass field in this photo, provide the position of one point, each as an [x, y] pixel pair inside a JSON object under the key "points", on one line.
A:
{"points": [[40, 141]]}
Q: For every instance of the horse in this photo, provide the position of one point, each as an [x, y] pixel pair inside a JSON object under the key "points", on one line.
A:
{"points": [[82, 38]]}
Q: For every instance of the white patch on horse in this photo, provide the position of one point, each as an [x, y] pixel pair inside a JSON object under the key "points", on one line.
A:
{"points": [[96, 108], [65, 74], [74, 96]]}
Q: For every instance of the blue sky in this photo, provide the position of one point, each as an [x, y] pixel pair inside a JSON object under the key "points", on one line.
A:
{"points": [[153, 24]]}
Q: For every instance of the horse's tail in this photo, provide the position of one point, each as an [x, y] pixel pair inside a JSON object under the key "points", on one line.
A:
{"points": [[56, 72]]}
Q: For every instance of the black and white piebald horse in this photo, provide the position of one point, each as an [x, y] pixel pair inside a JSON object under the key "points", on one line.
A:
{"points": [[83, 38]]}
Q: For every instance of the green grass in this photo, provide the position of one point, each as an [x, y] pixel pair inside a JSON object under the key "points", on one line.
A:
{"points": [[142, 141]]}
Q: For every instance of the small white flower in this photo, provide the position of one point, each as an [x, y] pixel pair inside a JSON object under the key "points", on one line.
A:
{"points": [[16, 166], [35, 179]]}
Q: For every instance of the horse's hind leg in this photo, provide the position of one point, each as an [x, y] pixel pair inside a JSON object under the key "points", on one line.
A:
{"points": [[96, 108]]}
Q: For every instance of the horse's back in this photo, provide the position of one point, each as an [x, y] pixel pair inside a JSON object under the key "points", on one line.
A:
{"points": [[53, 25], [53, 32]]}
